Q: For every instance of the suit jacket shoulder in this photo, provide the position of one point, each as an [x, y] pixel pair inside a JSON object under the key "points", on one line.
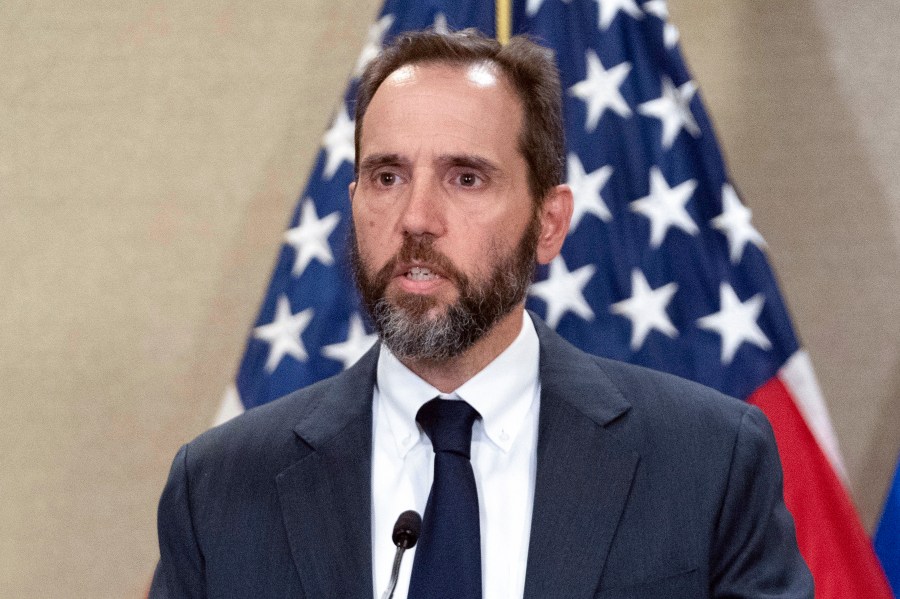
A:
{"points": [[315, 413], [275, 502], [672, 488]]}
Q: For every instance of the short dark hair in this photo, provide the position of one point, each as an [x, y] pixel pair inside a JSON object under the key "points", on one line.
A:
{"points": [[528, 67]]}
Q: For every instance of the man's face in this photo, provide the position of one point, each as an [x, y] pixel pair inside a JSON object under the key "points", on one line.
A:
{"points": [[444, 226]]}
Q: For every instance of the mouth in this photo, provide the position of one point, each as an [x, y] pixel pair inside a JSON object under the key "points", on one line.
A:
{"points": [[419, 278], [421, 273]]}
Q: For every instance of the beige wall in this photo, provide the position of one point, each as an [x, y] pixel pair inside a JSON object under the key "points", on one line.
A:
{"points": [[150, 154]]}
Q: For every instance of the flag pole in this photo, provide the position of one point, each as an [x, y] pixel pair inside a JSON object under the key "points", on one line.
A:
{"points": [[504, 21]]}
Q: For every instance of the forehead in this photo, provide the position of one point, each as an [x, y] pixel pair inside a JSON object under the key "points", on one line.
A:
{"points": [[472, 102]]}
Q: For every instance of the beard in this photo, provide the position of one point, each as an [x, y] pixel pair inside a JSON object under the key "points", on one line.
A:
{"points": [[412, 325]]}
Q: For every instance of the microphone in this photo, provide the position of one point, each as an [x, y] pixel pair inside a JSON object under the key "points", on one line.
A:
{"points": [[406, 532]]}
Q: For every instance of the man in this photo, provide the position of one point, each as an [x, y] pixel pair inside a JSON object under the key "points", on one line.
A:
{"points": [[582, 478]]}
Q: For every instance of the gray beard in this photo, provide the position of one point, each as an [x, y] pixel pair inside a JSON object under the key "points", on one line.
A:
{"points": [[404, 323], [414, 337]]}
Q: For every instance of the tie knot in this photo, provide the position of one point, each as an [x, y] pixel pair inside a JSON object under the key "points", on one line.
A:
{"points": [[448, 423]]}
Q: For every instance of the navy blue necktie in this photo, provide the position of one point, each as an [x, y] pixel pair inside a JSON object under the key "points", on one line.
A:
{"points": [[448, 558]]}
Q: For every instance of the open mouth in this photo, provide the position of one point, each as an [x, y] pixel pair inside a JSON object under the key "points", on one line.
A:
{"points": [[421, 273], [418, 277]]}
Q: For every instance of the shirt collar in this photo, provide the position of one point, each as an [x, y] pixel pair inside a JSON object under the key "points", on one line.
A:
{"points": [[502, 392]]}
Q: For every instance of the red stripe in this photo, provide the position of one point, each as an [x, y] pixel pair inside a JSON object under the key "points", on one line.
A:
{"points": [[831, 537]]}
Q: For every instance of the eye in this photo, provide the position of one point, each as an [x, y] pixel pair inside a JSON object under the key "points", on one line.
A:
{"points": [[386, 178], [468, 179]]}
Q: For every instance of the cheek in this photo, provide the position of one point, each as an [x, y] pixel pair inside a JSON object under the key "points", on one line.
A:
{"points": [[364, 221], [372, 239], [372, 216]]}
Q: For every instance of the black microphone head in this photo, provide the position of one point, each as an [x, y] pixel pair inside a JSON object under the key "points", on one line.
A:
{"points": [[407, 529]]}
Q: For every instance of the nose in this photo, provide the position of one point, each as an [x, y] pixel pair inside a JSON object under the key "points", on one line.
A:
{"points": [[424, 212]]}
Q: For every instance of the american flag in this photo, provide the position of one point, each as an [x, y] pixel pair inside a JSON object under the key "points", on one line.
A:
{"points": [[887, 536], [662, 267]]}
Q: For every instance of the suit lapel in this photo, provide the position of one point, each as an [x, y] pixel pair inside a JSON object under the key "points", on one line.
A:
{"points": [[583, 474], [326, 495]]}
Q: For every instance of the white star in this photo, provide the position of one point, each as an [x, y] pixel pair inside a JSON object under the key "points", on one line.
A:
{"points": [[338, 141], [440, 23], [586, 189], [670, 35], [665, 207], [646, 309], [600, 90], [533, 6], [735, 223], [283, 333], [357, 343], [673, 108], [735, 322], [374, 42], [610, 8], [563, 291], [660, 9], [310, 238]]}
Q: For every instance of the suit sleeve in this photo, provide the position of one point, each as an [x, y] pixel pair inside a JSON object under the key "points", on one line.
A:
{"points": [[180, 573], [755, 550]]}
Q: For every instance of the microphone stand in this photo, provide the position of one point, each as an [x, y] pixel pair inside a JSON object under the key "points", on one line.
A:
{"points": [[395, 573]]}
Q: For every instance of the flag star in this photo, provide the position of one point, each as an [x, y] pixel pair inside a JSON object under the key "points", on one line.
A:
{"points": [[608, 9], [735, 322], [310, 238], [533, 6], [657, 8], [440, 23], [357, 343], [600, 90], [338, 141], [563, 291], [586, 191], [283, 333], [374, 42], [665, 207], [646, 309], [673, 109], [660, 9], [735, 223], [670, 35]]}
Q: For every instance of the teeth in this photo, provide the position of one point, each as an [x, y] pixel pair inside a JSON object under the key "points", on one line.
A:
{"points": [[418, 273]]}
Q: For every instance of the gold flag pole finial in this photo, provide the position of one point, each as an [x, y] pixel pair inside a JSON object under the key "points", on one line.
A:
{"points": [[504, 21]]}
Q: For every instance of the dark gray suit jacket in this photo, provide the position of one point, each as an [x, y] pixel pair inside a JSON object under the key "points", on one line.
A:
{"points": [[647, 486]]}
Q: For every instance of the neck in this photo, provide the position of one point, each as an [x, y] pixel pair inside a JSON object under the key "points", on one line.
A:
{"points": [[449, 375]]}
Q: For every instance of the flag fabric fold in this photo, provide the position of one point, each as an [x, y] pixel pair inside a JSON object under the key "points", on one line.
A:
{"points": [[662, 267]]}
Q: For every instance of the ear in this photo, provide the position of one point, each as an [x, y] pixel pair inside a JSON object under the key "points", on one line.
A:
{"points": [[352, 188], [555, 215]]}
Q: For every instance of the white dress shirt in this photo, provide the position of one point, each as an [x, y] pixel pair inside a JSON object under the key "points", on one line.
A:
{"points": [[504, 458]]}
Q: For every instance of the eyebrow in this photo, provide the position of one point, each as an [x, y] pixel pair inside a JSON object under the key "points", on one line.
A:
{"points": [[469, 161], [370, 163], [376, 161]]}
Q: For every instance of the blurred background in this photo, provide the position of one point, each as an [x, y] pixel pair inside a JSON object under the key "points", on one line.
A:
{"points": [[151, 154]]}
